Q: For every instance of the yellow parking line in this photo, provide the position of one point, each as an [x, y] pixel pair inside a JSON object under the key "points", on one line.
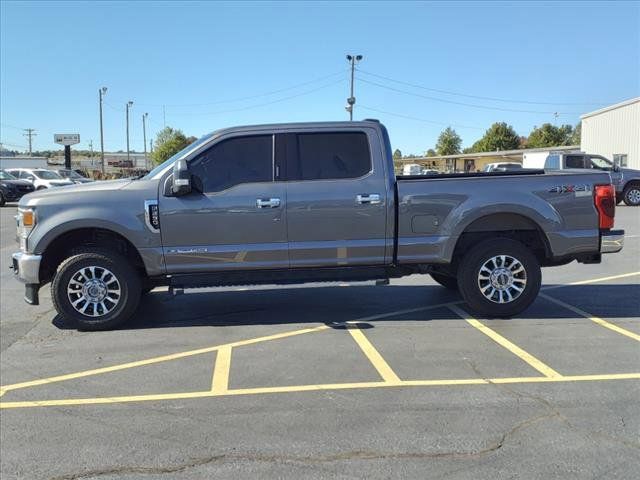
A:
{"points": [[319, 387], [379, 363], [220, 380], [163, 358], [512, 347], [593, 280], [595, 319]]}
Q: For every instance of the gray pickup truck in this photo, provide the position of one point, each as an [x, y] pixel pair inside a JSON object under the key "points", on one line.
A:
{"points": [[307, 202]]}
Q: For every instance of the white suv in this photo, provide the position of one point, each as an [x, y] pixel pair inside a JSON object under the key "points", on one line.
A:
{"points": [[39, 177]]}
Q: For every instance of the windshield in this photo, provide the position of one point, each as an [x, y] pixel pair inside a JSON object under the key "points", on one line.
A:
{"points": [[601, 163], [47, 175], [69, 174], [6, 176], [176, 156]]}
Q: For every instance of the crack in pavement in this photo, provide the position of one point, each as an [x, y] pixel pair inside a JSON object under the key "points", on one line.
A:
{"points": [[344, 456], [556, 413]]}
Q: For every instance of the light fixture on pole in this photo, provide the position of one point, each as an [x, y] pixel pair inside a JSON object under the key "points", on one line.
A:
{"points": [[128, 106], [351, 101], [144, 137], [101, 93]]}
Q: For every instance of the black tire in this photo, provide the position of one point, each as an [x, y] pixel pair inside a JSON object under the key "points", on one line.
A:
{"points": [[447, 282], [41, 187], [470, 281], [104, 260], [2, 200], [631, 194]]}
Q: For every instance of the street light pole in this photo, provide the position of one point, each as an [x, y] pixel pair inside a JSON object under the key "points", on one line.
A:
{"points": [[129, 103], [101, 93], [351, 101], [144, 138]]}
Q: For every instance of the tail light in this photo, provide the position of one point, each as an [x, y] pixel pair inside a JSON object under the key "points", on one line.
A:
{"points": [[605, 200]]}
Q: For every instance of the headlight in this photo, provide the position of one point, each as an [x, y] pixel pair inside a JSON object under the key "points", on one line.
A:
{"points": [[26, 221]]}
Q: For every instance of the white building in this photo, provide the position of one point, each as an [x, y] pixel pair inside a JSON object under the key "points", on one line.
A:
{"points": [[614, 133]]}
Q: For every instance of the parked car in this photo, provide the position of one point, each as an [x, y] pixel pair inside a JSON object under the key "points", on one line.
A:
{"points": [[73, 175], [502, 167], [625, 180], [40, 178], [296, 203], [412, 169], [12, 189], [429, 171]]}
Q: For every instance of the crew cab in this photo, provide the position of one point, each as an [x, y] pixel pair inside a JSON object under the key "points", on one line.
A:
{"points": [[625, 180], [306, 202]]}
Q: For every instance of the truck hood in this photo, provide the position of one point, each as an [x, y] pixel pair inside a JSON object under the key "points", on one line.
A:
{"points": [[630, 173], [74, 190]]}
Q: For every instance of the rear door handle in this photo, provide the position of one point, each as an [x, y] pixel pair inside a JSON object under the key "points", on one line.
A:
{"points": [[368, 198], [268, 202]]}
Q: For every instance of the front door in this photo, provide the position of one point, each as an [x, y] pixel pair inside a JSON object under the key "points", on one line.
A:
{"points": [[336, 199], [238, 221]]}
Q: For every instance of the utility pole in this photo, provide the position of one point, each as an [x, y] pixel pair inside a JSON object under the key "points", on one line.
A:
{"points": [[351, 101], [128, 106], [101, 93], [144, 137], [30, 134]]}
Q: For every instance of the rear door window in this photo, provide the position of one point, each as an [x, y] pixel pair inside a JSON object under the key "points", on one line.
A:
{"points": [[329, 156], [574, 161]]}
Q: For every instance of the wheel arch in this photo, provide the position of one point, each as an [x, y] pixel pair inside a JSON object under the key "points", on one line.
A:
{"points": [[511, 225], [61, 246]]}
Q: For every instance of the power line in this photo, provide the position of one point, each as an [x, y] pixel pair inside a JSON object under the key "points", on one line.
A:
{"points": [[417, 119], [250, 107], [494, 99], [11, 126], [250, 97], [485, 107]]}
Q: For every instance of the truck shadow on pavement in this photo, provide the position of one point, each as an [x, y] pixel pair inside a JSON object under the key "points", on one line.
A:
{"points": [[334, 305]]}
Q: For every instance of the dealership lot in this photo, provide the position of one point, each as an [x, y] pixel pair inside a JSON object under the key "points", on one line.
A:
{"points": [[353, 381]]}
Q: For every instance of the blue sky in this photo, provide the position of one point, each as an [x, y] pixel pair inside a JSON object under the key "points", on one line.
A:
{"points": [[203, 59]]}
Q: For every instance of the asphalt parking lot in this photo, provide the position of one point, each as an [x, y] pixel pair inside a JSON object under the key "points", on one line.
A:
{"points": [[343, 381]]}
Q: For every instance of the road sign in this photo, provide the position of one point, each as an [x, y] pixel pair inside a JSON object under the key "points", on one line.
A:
{"points": [[66, 138]]}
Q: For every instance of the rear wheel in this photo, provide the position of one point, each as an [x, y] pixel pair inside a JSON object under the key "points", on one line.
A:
{"points": [[96, 289], [448, 282], [499, 278], [631, 195], [2, 200]]}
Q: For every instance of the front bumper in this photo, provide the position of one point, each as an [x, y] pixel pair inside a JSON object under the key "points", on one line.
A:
{"points": [[611, 241], [26, 268]]}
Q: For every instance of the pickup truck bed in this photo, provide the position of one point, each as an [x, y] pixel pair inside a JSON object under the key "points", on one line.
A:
{"points": [[298, 203]]}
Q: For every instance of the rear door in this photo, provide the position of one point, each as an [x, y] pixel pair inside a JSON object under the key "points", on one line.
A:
{"points": [[238, 221], [336, 198]]}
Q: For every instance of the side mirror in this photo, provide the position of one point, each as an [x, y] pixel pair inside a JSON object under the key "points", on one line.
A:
{"points": [[616, 167], [181, 184]]}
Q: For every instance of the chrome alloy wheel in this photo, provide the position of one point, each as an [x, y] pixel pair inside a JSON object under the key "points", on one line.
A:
{"points": [[633, 196], [94, 291], [502, 279]]}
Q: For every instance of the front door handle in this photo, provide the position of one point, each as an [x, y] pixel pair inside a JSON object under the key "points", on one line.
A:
{"points": [[268, 202], [368, 199]]}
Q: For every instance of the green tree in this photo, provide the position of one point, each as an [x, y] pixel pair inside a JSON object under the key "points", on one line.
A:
{"points": [[449, 142], [168, 142], [499, 136], [576, 136], [431, 153], [548, 135], [397, 155]]}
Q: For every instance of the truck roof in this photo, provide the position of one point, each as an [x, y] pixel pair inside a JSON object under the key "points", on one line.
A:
{"points": [[299, 125]]}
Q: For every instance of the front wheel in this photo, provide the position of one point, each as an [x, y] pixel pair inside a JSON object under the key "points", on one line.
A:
{"points": [[631, 195], [2, 200], [96, 289], [499, 278]]}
